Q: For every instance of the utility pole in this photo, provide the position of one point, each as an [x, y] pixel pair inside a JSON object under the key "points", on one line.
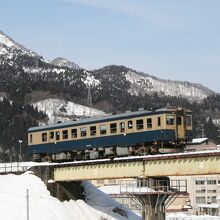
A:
{"points": [[20, 157], [202, 129], [27, 204]]}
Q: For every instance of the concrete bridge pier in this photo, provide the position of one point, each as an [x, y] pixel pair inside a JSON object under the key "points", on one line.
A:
{"points": [[154, 194], [153, 206]]}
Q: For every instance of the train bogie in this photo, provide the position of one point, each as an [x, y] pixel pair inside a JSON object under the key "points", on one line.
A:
{"points": [[122, 151]]}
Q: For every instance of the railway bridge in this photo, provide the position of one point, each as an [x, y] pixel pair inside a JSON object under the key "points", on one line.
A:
{"points": [[178, 164], [153, 169]]}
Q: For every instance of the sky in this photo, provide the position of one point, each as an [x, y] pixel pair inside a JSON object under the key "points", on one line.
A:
{"points": [[172, 39]]}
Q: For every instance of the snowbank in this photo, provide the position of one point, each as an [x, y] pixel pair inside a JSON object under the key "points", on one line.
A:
{"points": [[13, 202]]}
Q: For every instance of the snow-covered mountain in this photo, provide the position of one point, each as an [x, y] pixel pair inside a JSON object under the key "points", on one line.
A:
{"points": [[142, 83], [60, 61], [10, 47], [62, 110], [117, 77]]}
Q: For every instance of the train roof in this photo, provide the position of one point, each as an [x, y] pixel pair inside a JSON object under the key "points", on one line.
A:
{"points": [[104, 118]]}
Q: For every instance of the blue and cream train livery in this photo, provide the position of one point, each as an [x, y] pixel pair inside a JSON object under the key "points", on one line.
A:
{"points": [[130, 133]]}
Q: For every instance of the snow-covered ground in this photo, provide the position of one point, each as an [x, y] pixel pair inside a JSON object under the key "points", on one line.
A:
{"points": [[13, 202], [62, 110], [183, 216], [98, 205]]}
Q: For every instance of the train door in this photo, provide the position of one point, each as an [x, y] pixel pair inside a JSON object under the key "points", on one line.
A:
{"points": [[180, 126]]}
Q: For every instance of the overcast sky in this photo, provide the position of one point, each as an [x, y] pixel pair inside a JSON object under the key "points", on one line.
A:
{"points": [[170, 39]]}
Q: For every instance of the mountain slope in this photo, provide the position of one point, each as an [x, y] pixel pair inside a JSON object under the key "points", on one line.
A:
{"points": [[60, 61], [146, 84], [62, 110], [136, 83], [8, 45]]}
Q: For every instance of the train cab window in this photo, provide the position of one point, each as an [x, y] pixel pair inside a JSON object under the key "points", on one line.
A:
{"points": [[92, 130], [57, 135], [122, 126], [139, 124], [179, 120], [31, 138], [44, 137], [113, 128], [74, 133], [149, 123], [102, 129], [51, 135], [65, 134], [158, 121], [170, 120], [130, 124], [188, 120], [83, 132]]}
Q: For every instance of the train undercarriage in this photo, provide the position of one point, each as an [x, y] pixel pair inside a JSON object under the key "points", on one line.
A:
{"points": [[112, 152]]}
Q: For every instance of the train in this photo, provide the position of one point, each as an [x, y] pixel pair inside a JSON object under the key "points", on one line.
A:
{"points": [[130, 133]]}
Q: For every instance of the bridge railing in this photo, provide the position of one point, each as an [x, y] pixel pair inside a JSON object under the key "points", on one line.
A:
{"points": [[152, 186]]}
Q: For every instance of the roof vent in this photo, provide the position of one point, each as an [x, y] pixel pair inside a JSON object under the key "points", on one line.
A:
{"points": [[141, 109]]}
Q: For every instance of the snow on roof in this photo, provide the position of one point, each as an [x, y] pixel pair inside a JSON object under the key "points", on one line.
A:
{"points": [[117, 189], [198, 140], [45, 207], [212, 205]]}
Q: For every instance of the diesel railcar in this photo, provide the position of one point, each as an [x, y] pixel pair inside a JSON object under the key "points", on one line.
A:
{"points": [[130, 133]]}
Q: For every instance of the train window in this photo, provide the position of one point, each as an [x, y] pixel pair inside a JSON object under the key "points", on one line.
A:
{"points": [[158, 121], [65, 134], [149, 122], [130, 124], [170, 120], [31, 138], [93, 130], [57, 135], [44, 137], [113, 128], [179, 120], [74, 133], [122, 127], [83, 132], [51, 135], [140, 124], [102, 129], [188, 120]]}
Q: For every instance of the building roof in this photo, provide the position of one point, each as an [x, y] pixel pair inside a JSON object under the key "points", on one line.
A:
{"points": [[212, 205]]}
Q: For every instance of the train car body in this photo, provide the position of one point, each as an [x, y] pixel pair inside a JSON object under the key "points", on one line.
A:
{"points": [[128, 133]]}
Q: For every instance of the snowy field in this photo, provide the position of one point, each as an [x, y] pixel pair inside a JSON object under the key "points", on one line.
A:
{"points": [[13, 202]]}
